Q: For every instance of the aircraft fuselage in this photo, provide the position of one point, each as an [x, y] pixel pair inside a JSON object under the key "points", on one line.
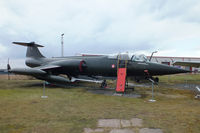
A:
{"points": [[102, 66]]}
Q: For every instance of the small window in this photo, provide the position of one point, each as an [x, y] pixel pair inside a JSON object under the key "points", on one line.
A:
{"points": [[166, 63]]}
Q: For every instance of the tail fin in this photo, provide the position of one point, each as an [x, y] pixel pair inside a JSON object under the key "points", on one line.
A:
{"points": [[32, 49]]}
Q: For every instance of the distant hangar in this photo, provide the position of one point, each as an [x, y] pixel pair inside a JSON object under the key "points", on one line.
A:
{"points": [[170, 60]]}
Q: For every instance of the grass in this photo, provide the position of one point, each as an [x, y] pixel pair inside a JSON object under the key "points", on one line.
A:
{"points": [[72, 109], [180, 78]]}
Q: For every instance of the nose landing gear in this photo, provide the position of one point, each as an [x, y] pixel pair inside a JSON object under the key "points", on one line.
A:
{"points": [[156, 79]]}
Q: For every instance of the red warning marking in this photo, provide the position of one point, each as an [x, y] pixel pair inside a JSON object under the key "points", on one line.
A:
{"points": [[121, 80], [81, 66], [146, 72]]}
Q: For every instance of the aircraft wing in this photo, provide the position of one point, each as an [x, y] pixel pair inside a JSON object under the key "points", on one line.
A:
{"points": [[28, 71], [53, 67], [187, 63], [41, 70]]}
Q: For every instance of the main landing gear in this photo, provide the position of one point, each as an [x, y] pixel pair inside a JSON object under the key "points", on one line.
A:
{"points": [[156, 79], [104, 84]]}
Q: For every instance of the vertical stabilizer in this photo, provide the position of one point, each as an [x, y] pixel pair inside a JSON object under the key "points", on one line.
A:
{"points": [[32, 49]]}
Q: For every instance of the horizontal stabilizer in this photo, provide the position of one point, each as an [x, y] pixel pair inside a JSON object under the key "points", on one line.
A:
{"points": [[28, 44]]}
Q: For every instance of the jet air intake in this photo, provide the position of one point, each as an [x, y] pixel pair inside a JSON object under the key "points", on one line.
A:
{"points": [[72, 65]]}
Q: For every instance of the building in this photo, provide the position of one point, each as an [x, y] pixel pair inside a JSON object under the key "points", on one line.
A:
{"points": [[170, 60]]}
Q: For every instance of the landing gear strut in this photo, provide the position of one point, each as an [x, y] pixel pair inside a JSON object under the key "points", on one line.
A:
{"points": [[104, 84], [156, 79]]}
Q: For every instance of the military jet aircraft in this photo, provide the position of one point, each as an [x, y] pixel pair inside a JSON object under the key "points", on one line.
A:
{"points": [[86, 67]]}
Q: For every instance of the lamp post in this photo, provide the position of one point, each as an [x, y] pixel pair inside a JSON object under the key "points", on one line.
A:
{"points": [[62, 45], [152, 55]]}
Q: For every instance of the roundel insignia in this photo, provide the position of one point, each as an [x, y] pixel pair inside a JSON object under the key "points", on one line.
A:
{"points": [[113, 65]]}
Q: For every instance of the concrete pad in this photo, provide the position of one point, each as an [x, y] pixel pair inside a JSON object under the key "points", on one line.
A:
{"points": [[122, 131], [148, 130], [88, 130], [117, 94], [111, 92], [125, 123], [98, 130], [136, 122], [112, 123]]}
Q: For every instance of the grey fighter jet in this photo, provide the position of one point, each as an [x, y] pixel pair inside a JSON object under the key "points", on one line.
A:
{"points": [[72, 68]]}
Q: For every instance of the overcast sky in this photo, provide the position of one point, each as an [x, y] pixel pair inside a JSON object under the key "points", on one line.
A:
{"points": [[100, 26]]}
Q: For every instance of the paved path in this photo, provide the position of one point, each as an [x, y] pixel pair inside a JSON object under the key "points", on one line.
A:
{"points": [[134, 125]]}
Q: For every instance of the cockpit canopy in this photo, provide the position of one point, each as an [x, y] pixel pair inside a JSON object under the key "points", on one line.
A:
{"points": [[141, 58], [130, 57]]}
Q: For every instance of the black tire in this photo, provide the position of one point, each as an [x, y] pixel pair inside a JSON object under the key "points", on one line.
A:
{"points": [[156, 80], [104, 84]]}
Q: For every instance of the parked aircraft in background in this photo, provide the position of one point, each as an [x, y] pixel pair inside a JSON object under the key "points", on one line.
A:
{"points": [[188, 63], [3, 71], [72, 68]]}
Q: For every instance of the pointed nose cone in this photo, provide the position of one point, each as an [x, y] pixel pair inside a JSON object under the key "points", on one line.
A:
{"points": [[160, 69], [174, 70]]}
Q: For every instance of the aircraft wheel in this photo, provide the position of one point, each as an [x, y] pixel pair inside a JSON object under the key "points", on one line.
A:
{"points": [[156, 79], [104, 84], [137, 80]]}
